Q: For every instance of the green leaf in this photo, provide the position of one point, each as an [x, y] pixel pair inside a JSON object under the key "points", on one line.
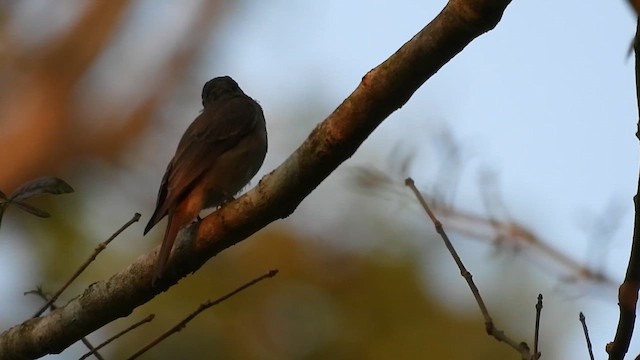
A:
{"points": [[45, 185], [31, 209]]}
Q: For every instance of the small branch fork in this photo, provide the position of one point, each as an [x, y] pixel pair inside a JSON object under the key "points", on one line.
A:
{"points": [[93, 349], [492, 330], [50, 301], [83, 267]]}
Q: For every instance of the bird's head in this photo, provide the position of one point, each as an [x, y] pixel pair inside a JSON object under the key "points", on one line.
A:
{"points": [[219, 88]]}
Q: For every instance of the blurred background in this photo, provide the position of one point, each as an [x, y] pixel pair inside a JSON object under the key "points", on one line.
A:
{"points": [[524, 143]]}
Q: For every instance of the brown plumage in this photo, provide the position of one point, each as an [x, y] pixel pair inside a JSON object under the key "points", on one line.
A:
{"points": [[217, 156]]}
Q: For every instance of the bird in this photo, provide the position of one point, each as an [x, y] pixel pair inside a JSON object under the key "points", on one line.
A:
{"points": [[217, 156]]}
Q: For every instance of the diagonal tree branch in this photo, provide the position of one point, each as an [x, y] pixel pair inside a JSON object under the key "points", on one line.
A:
{"points": [[383, 90]]}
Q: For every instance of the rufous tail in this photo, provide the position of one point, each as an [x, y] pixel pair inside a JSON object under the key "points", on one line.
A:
{"points": [[177, 219]]}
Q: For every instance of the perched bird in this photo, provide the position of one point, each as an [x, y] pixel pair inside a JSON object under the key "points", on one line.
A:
{"points": [[217, 156]]}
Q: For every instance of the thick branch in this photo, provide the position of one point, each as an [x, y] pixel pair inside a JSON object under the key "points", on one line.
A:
{"points": [[382, 91], [628, 291]]}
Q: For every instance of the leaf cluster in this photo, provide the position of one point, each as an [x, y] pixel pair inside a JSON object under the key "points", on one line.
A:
{"points": [[30, 189]]}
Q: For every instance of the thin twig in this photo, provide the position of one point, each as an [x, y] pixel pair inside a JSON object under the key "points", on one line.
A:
{"points": [[200, 309], [583, 320], [39, 292], [536, 354], [499, 335], [116, 336], [89, 260]]}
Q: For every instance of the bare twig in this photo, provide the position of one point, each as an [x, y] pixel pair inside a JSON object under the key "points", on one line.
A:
{"points": [[179, 326], [86, 264], [536, 354], [499, 335], [39, 292], [116, 336], [476, 293], [628, 290], [583, 320]]}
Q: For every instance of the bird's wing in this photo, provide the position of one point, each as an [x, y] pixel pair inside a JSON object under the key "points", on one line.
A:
{"points": [[161, 210], [217, 129]]}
